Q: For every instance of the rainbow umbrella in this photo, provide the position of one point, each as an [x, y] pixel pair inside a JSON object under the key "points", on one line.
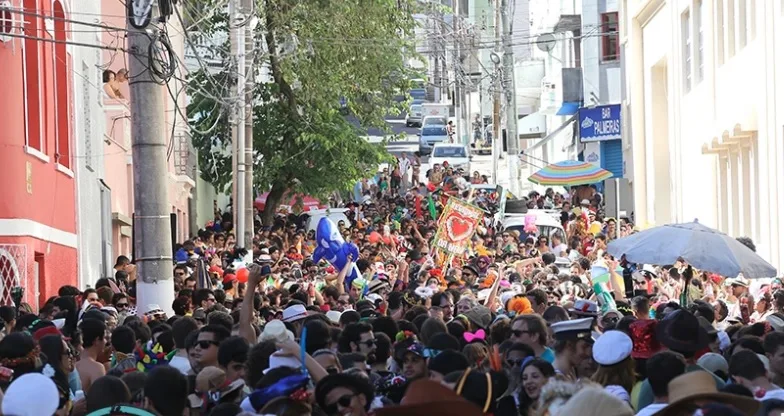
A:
{"points": [[570, 173]]}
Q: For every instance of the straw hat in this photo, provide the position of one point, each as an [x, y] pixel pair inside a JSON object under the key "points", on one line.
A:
{"points": [[592, 401], [699, 385]]}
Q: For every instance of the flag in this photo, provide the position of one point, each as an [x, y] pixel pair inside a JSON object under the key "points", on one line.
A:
{"points": [[431, 207]]}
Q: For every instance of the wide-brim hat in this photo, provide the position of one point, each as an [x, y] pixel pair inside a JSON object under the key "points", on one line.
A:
{"points": [[428, 398], [700, 386], [681, 331]]}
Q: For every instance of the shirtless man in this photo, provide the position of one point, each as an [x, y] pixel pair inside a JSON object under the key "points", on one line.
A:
{"points": [[94, 340]]}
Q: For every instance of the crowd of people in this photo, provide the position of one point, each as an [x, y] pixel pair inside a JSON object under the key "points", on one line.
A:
{"points": [[522, 324]]}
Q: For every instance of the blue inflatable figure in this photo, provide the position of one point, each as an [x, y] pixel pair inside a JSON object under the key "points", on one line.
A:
{"points": [[332, 247]]}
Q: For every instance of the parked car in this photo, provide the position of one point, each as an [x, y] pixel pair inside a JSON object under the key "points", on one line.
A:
{"points": [[546, 223], [414, 114], [456, 155], [430, 135]]}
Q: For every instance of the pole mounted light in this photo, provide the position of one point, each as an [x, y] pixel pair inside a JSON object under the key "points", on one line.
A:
{"points": [[139, 13]]}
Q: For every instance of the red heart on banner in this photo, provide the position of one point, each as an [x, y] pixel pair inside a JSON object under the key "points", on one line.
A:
{"points": [[458, 228]]}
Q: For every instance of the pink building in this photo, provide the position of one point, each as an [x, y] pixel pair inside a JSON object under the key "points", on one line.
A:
{"points": [[118, 159]]}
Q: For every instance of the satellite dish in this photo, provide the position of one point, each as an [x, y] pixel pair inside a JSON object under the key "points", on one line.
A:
{"points": [[545, 42]]}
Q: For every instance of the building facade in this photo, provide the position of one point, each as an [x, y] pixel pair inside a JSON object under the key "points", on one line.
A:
{"points": [[38, 240], [705, 95], [93, 197]]}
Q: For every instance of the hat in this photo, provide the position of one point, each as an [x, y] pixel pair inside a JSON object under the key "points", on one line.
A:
{"points": [[294, 313], [585, 202], [472, 268], [714, 362], [408, 345], [275, 330], [215, 269], [680, 331], [644, 341], [357, 384], [594, 401], [447, 362], [685, 389], [229, 277], [429, 398], [278, 360], [738, 281], [199, 314], [775, 322], [574, 329], [212, 385], [47, 330], [377, 285], [32, 394], [707, 326], [611, 348], [334, 317], [584, 307], [479, 316]]}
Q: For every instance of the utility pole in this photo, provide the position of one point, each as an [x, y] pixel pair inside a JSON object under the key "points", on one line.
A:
{"points": [[513, 142], [152, 237], [238, 126], [457, 100], [496, 87], [250, 196]]}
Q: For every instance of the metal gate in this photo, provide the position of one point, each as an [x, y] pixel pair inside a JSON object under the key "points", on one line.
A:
{"points": [[13, 269]]}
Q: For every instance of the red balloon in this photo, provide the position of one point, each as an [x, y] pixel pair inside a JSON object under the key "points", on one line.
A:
{"points": [[242, 275], [374, 237]]}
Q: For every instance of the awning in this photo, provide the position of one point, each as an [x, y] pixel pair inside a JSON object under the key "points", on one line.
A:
{"points": [[568, 109], [567, 124]]}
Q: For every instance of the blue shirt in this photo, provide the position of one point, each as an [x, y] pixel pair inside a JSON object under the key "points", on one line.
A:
{"points": [[548, 355]]}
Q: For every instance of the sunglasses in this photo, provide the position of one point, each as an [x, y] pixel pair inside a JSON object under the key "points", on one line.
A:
{"points": [[369, 343], [343, 401], [121, 305], [206, 344], [520, 332], [515, 363]]}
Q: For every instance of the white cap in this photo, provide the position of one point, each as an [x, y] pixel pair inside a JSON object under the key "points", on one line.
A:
{"points": [[334, 317], [277, 360], [294, 313], [32, 394], [573, 329], [585, 307], [275, 330], [611, 348]]}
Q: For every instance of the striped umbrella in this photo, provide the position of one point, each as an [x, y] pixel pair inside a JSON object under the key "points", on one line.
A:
{"points": [[570, 173]]}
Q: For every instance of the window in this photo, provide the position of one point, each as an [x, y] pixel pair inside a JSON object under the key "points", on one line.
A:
{"points": [[742, 24], [699, 54], [686, 50], [720, 31], [32, 76], [6, 21], [62, 127], [611, 47]]}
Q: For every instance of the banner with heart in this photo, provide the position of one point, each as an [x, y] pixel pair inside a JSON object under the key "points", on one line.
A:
{"points": [[456, 226]]}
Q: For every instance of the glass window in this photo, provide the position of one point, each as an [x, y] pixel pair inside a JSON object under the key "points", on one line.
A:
{"points": [[451, 151], [611, 46]]}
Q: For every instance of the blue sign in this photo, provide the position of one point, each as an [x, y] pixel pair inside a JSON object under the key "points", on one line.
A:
{"points": [[600, 123]]}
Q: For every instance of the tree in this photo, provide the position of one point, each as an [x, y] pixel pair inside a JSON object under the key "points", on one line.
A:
{"points": [[316, 52]]}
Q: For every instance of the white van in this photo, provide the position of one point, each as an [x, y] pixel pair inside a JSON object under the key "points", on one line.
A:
{"points": [[335, 214], [546, 223]]}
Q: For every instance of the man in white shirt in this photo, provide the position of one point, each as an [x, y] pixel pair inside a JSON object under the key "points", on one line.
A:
{"points": [[405, 165], [557, 246], [662, 368]]}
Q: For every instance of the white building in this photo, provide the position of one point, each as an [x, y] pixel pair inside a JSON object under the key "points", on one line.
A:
{"points": [[92, 194], [705, 97]]}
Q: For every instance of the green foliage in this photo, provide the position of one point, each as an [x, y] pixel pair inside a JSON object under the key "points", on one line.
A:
{"points": [[317, 51]]}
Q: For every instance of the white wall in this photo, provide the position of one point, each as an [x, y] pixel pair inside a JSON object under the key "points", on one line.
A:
{"points": [[601, 80], [88, 145]]}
